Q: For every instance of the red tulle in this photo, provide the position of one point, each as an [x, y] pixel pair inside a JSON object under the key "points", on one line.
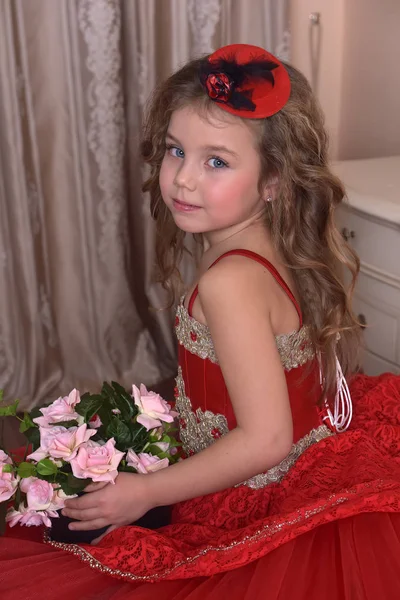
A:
{"points": [[330, 529], [343, 560]]}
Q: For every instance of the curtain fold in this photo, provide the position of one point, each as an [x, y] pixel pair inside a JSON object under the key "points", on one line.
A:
{"points": [[76, 237]]}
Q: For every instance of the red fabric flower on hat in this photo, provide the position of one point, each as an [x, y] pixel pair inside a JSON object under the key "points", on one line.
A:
{"points": [[246, 81], [219, 86]]}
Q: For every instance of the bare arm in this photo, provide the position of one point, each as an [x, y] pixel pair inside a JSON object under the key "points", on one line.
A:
{"points": [[234, 302]]}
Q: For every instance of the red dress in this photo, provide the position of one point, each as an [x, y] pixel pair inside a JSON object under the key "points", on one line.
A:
{"points": [[324, 523]]}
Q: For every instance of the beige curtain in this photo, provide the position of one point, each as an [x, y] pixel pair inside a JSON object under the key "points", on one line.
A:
{"points": [[76, 237]]}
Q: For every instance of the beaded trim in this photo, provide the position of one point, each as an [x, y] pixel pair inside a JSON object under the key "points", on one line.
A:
{"points": [[266, 532], [295, 348], [276, 474], [198, 430], [194, 336]]}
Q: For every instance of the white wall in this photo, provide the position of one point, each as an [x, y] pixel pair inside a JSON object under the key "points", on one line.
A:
{"points": [[359, 87], [330, 78], [370, 106]]}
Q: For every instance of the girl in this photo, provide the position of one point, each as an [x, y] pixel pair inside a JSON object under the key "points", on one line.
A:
{"points": [[291, 486]]}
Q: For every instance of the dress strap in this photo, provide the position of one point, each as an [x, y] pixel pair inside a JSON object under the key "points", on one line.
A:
{"points": [[253, 255]]}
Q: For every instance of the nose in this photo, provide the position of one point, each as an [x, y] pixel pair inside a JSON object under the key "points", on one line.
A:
{"points": [[185, 177]]}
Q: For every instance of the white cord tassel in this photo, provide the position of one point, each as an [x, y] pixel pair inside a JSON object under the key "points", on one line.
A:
{"points": [[343, 409]]}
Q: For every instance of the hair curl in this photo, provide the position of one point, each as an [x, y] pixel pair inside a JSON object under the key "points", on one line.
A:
{"points": [[293, 147]]}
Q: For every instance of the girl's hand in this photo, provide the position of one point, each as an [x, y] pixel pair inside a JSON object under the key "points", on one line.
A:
{"points": [[110, 504]]}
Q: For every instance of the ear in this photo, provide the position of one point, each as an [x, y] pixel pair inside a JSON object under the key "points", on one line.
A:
{"points": [[270, 189]]}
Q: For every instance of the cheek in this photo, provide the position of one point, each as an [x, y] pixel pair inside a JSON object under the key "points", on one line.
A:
{"points": [[234, 192]]}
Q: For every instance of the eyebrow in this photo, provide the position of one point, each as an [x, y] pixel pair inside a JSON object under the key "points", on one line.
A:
{"points": [[208, 148]]}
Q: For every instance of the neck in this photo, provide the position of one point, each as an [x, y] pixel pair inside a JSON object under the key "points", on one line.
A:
{"points": [[212, 239]]}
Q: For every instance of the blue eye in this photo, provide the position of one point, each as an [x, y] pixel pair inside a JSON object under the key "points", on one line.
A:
{"points": [[218, 163], [175, 151]]}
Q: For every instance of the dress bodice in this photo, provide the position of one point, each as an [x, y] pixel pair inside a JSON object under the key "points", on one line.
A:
{"points": [[202, 398]]}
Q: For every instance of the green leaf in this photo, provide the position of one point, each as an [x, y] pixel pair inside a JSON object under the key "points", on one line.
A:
{"points": [[121, 433], [46, 467], [36, 412], [7, 468], [26, 423], [33, 436], [73, 485], [3, 513], [174, 459], [26, 469], [10, 410], [127, 397], [67, 424], [89, 405], [127, 469], [139, 437], [120, 398], [105, 414], [155, 450]]}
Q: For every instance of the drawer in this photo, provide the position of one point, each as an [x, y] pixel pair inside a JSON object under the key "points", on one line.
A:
{"points": [[375, 365], [381, 333], [375, 243]]}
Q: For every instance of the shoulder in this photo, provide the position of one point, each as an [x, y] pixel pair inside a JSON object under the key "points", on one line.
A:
{"points": [[234, 280], [236, 305]]}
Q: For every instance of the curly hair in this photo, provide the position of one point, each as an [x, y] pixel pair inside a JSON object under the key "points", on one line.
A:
{"points": [[293, 146]]}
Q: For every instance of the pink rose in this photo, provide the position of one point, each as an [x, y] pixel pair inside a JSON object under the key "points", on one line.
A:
{"points": [[95, 422], [59, 498], [145, 463], [62, 409], [60, 442], [28, 517], [43, 496], [4, 458], [8, 484], [97, 462], [39, 493], [152, 407]]}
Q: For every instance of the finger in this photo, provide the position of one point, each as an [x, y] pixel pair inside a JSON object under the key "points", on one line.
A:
{"points": [[95, 487], [88, 525], [81, 515], [98, 539], [82, 503]]}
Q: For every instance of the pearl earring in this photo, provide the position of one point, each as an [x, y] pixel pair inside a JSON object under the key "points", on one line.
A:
{"points": [[268, 199]]}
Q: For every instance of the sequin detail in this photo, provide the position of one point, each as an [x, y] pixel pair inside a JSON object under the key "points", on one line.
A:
{"points": [[194, 336], [197, 430], [277, 473], [200, 429], [295, 349], [266, 532]]}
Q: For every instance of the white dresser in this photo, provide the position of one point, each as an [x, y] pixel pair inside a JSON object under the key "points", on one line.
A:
{"points": [[370, 221]]}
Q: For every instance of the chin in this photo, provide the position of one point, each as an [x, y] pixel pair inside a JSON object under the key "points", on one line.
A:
{"points": [[188, 227]]}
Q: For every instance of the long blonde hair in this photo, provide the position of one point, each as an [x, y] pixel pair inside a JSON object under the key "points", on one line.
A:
{"points": [[293, 146]]}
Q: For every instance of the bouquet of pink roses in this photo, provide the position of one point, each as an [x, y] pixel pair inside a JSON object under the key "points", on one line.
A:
{"points": [[77, 440]]}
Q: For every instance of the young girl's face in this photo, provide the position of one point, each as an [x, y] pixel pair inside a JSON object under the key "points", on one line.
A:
{"points": [[210, 172]]}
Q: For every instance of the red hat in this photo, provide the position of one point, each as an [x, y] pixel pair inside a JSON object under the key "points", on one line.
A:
{"points": [[246, 81]]}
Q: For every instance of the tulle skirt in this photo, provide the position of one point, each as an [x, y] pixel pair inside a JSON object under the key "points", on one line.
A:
{"points": [[330, 529]]}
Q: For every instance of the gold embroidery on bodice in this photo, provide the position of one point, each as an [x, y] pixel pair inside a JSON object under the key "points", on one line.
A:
{"points": [[199, 429], [295, 348]]}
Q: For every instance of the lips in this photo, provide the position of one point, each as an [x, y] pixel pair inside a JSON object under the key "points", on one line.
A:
{"points": [[184, 206]]}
